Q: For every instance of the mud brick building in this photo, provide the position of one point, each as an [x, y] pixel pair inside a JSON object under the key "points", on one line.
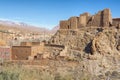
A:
{"points": [[26, 50], [72, 35], [77, 29], [101, 19]]}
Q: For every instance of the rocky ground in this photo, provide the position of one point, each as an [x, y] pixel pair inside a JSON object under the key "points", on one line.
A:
{"points": [[85, 69], [89, 54], [96, 50]]}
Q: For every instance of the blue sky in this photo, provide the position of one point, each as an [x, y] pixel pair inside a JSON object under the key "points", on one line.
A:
{"points": [[48, 13]]}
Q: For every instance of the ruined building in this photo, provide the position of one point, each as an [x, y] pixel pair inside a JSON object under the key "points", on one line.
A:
{"points": [[92, 42], [101, 19], [76, 37], [78, 34], [26, 51]]}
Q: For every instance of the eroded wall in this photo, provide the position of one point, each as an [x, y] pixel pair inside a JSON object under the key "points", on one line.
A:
{"points": [[116, 22], [20, 52], [101, 19]]}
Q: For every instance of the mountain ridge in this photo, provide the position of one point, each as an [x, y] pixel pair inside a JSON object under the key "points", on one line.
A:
{"points": [[24, 26]]}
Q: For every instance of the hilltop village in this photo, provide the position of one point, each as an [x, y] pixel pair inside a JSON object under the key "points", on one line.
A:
{"points": [[85, 44], [76, 36]]}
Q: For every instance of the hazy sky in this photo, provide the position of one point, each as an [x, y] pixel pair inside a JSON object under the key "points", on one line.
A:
{"points": [[48, 13]]}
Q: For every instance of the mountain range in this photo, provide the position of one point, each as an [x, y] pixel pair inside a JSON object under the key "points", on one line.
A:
{"points": [[24, 27]]}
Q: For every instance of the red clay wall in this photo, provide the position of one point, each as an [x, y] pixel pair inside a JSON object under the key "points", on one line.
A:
{"points": [[20, 52]]}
